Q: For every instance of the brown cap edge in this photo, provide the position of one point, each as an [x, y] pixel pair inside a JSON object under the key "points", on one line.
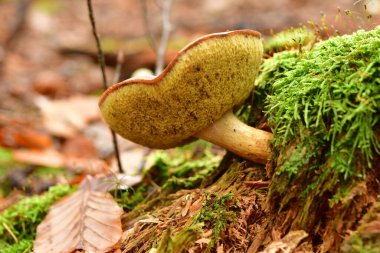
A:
{"points": [[156, 79]]}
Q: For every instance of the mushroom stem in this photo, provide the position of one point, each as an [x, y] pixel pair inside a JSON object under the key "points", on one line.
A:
{"points": [[232, 134]]}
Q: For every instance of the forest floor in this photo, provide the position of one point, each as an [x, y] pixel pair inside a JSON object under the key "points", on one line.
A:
{"points": [[51, 131]]}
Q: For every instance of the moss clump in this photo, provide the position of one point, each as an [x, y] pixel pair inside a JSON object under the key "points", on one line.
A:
{"points": [[183, 168], [292, 38], [25, 245], [5, 162], [216, 213], [128, 199], [23, 218], [180, 242], [324, 109]]}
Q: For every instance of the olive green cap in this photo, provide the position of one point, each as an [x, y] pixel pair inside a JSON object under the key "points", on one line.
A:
{"points": [[205, 80]]}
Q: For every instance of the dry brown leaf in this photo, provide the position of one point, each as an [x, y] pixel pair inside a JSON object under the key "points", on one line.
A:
{"points": [[50, 83], [22, 137], [86, 166], [49, 158], [86, 220], [79, 146], [18, 133], [65, 117], [52, 158]]}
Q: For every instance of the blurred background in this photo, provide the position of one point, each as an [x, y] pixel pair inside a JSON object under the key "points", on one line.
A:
{"points": [[50, 80], [44, 41]]}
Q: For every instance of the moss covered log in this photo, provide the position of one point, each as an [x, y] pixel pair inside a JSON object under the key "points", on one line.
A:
{"points": [[323, 106]]}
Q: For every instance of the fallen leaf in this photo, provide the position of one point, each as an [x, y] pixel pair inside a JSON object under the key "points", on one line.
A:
{"points": [[85, 220], [52, 158], [16, 133], [48, 158], [50, 83], [65, 117], [88, 166], [79, 146]]}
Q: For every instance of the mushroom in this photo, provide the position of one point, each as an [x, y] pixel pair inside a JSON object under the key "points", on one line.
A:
{"points": [[193, 98]]}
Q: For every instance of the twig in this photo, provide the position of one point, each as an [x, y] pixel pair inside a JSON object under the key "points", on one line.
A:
{"points": [[16, 27], [102, 68], [18, 24], [119, 64], [148, 30], [166, 28]]}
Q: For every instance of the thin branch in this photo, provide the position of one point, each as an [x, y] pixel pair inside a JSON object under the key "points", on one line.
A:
{"points": [[16, 27], [98, 46], [18, 24], [102, 68], [119, 64], [166, 28], [147, 28]]}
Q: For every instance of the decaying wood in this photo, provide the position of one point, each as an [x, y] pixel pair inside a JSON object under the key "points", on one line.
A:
{"points": [[258, 227], [177, 212]]}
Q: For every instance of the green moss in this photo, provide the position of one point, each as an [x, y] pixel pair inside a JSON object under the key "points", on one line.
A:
{"points": [[5, 156], [23, 217], [293, 38], [6, 161], [181, 241], [50, 172], [323, 106], [216, 213], [183, 168], [20, 247], [131, 197]]}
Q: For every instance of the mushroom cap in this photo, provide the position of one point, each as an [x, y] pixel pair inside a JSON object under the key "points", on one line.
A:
{"points": [[206, 79]]}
